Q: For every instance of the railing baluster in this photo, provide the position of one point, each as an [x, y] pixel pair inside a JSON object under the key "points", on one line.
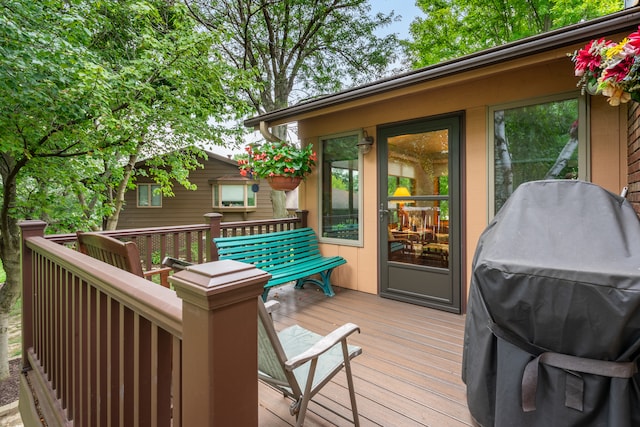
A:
{"points": [[128, 334], [113, 357], [176, 382], [92, 355], [67, 358], [102, 358]]}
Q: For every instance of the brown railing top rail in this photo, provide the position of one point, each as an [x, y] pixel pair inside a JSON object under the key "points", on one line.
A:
{"points": [[236, 224], [213, 218], [159, 305], [130, 232]]}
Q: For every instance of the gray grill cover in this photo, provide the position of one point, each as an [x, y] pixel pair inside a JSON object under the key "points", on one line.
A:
{"points": [[557, 270]]}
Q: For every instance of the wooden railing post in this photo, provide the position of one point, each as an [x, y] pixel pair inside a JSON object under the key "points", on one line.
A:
{"points": [[302, 214], [219, 342], [31, 228], [214, 231]]}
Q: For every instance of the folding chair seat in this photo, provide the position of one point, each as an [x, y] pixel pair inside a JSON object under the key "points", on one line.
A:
{"points": [[299, 362]]}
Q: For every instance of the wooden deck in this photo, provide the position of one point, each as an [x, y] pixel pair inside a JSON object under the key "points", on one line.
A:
{"points": [[407, 375]]}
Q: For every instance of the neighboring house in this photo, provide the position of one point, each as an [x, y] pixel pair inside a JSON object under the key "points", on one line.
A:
{"points": [[220, 189], [451, 142]]}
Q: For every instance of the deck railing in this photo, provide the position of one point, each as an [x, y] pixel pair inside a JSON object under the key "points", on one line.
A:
{"points": [[103, 347], [192, 243]]}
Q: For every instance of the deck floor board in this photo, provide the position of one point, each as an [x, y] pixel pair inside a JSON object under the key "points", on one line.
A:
{"points": [[407, 375]]}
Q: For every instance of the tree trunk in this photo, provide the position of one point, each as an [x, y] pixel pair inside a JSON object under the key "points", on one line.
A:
{"points": [[278, 198], [112, 220], [279, 204], [565, 154], [4, 345], [503, 166], [9, 254]]}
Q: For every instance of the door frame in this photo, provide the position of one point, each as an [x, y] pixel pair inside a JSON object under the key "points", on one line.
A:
{"points": [[456, 124]]}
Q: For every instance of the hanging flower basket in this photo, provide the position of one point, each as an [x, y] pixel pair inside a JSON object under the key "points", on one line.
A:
{"points": [[611, 69], [284, 183], [282, 164]]}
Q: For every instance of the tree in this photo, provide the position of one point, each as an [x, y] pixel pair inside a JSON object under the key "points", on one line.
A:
{"points": [[454, 28], [298, 49], [84, 84]]}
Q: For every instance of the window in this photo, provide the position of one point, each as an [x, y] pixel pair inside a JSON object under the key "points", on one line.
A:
{"points": [[234, 194], [544, 139], [340, 198], [149, 196]]}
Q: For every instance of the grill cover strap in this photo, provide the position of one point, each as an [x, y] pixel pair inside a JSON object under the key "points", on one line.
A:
{"points": [[575, 388]]}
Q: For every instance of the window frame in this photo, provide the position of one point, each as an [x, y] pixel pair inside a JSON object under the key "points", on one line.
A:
{"points": [[149, 189], [359, 134], [247, 185], [584, 152]]}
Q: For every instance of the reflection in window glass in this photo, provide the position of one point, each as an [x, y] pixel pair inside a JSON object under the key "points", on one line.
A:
{"points": [[340, 188], [534, 142]]}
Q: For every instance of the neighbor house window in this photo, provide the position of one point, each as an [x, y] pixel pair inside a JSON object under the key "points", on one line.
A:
{"points": [[149, 196], [234, 194], [340, 198], [541, 139]]}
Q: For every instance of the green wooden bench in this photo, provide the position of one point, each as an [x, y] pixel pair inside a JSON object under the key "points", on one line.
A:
{"points": [[287, 255]]}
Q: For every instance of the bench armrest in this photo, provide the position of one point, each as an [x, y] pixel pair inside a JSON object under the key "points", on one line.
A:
{"points": [[338, 335], [164, 275]]}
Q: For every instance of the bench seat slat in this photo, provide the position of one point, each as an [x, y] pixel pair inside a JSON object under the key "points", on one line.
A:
{"points": [[292, 255]]}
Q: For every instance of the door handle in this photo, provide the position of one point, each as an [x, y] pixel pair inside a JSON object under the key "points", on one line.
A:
{"points": [[383, 212]]}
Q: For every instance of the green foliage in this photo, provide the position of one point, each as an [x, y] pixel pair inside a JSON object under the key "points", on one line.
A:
{"points": [[89, 87], [537, 133], [454, 28], [277, 158], [86, 88], [299, 48]]}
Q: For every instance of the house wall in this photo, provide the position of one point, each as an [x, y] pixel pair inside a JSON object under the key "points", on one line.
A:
{"points": [[189, 206], [472, 93]]}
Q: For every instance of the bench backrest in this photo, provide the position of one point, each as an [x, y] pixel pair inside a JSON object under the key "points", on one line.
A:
{"points": [[267, 249], [124, 255]]}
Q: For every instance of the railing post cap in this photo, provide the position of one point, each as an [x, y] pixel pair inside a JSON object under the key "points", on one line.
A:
{"points": [[219, 283], [32, 224]]}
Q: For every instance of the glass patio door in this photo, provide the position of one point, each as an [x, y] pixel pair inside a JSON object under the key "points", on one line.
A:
{"points": [[419, 212]]}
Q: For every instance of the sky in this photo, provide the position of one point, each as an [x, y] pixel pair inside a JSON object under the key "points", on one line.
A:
{"points": [[407, 9], [404, 8]]}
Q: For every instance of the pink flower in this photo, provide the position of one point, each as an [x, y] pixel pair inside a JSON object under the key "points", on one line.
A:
{"points": [[619, 71], [588, 58], [633, 42]]}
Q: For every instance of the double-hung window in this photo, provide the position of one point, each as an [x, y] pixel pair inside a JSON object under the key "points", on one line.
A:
{"points": [[149, 196]]}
